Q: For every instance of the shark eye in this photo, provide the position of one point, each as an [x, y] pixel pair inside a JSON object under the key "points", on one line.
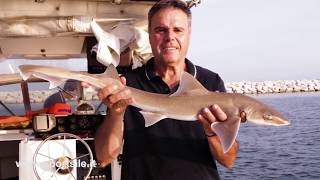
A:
{"points": [[267, 117]]}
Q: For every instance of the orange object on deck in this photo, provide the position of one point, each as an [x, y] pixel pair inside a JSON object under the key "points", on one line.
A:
{"points": [[60, 109], [14, 122]]}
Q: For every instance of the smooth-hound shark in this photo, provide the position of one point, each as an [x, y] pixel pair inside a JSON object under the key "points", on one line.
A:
{"points": [[184, 104]]}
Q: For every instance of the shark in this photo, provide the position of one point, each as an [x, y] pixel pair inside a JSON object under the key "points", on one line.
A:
{"points": [[185, 104]]}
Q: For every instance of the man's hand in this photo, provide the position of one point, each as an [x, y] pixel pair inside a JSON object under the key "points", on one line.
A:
{"points": [[116, 98], [209, 115], [109, 136]]}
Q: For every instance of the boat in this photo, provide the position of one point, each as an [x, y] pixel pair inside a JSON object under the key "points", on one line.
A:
{"points": [[55, 31]]}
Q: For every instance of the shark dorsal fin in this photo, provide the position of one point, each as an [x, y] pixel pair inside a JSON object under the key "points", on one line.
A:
{"points": [[190, 86], [111, 72]]}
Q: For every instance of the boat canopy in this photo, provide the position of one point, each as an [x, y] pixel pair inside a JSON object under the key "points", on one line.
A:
{"points": [[59, 29]]}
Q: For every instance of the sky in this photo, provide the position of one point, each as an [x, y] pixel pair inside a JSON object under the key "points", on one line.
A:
{"points": [[255, 40]]}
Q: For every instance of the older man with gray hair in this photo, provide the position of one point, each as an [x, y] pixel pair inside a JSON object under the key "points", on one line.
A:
{"points": [[170, 149]]}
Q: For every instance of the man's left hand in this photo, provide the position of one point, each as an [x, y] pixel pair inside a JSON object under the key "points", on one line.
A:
{"points": [[209, 115]]}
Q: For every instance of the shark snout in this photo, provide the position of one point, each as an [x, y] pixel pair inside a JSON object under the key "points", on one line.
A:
{"points": [[280, 121], [268, 118], [274, 119]]}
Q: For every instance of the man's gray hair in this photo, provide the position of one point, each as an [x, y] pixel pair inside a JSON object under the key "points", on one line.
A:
{"points": [[162, 4]]}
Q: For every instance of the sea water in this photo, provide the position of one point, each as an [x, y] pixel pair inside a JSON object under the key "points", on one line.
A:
{"points": [[281, 153], [273, 153]]}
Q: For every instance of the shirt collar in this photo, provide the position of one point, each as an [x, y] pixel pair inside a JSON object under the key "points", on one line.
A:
{"points": [[150, 73]]}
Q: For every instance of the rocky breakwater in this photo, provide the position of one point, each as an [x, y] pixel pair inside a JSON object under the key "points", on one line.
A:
{"points": [[244, 87], [268, 87], [16, 96]]}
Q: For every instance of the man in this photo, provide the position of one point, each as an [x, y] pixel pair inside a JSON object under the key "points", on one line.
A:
{"points": [[170, 149], [69, 91]]}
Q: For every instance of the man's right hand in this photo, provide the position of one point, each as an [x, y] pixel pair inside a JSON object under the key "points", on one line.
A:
{"points": [[109, 136], [117, 99]]}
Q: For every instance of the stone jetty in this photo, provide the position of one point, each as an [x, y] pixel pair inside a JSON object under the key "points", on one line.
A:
{"points": [[16, 96], [244, 87], [268, 87]]}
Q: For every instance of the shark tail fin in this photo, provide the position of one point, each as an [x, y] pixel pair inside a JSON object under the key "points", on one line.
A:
{"points": [[53, 81], [227, 132]]}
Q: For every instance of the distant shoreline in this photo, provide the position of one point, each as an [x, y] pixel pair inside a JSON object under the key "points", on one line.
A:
{"points": [[244, 87], [271, 87]]}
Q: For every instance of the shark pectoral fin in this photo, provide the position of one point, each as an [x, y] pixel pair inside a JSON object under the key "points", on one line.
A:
{"points": [[151, 118], [227, 132]]}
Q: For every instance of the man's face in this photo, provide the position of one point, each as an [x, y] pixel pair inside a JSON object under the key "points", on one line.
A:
{"points": [[169, 35]]}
